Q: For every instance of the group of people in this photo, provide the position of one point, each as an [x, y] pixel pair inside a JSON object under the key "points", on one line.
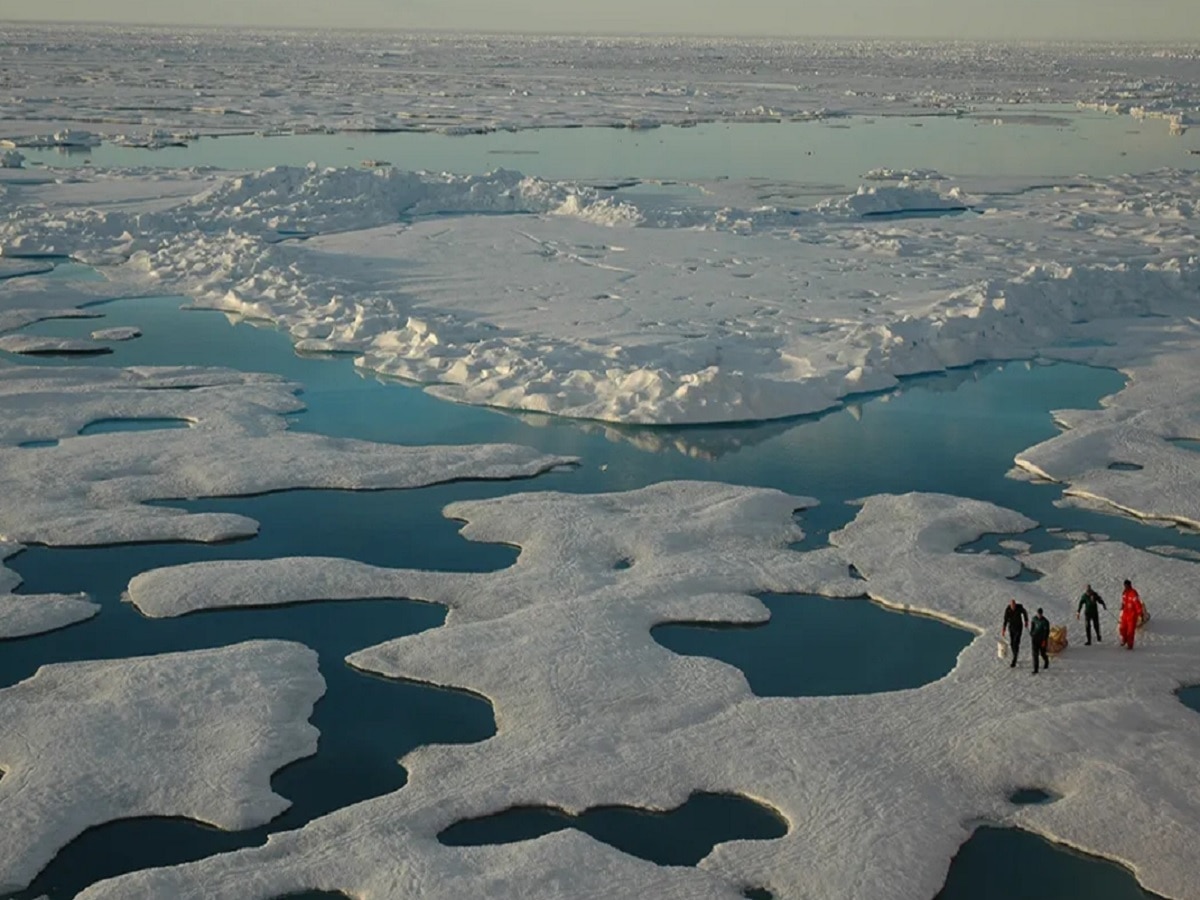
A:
{"points": [[1016, 619]]}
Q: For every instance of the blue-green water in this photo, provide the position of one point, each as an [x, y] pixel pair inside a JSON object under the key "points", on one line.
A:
{"points": [[812, 646], [830, 154], [1190, 697], [1007, 864], [679, 837], [955, 432]]}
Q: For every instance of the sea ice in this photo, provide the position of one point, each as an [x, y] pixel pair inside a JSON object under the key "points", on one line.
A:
{"points": [[123, 333], [598, 319], [195, 734], [41, 345], [592, 711], [17, 268], [90, 489], [1137, 427], [653, 313], [27, 300], [219, 82]]}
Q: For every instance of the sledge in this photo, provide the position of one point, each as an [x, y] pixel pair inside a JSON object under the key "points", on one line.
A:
{"points": [[1057, 642]]}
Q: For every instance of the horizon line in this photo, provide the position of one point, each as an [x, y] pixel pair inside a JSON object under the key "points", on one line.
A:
{"points": [[629, 35]]}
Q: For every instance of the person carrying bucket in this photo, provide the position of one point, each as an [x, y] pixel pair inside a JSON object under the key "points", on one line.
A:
{"points": [[1132, 611]]}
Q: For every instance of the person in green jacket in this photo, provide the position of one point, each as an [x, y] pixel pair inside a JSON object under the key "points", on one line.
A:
{"points": [[1039, 636], [1090, 604]]}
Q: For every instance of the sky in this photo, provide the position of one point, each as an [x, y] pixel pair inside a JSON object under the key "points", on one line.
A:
{"points": [[1177, 20]]}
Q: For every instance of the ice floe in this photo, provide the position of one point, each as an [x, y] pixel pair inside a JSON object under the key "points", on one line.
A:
{"points": [[592, 711], [1125, 455], [194, 734], [90, 489], [122, 333], [41, 345]]}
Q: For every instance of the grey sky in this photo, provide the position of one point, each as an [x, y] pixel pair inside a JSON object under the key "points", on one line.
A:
{"points": [[1082, 19]]}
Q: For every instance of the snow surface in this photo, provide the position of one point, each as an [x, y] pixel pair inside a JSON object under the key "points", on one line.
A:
{"points": [[159, 83], [24, 614], [91, 489], [16, 268], [194, 734], [35, 344], [122, 333], [592, 711]]}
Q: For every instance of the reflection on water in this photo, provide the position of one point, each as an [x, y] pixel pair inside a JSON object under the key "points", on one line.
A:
{"points": [[1190, 697], [1007, 864], [835, 155], [955, 432], [679, 837], [802, 651]]}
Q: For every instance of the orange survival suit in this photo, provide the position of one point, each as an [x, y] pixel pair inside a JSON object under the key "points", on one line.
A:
{"points": [[1131, 615]]}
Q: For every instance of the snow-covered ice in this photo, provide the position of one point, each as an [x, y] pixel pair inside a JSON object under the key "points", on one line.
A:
{"points": [[592, 711], [1138, 427], [611, 311], [120, 333], [220, 82], [41, 345], [195, 734], [90, 489]]}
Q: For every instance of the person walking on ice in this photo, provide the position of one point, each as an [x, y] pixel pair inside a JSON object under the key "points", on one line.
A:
{"points": [[1015, 620], [1132, 611], [1039, 636], [1090, 604]]}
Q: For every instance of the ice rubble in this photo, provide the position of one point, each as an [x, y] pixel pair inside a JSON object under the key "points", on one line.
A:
{"points": [[902, 198], [22, 615], [592, 711], [194, 734], [600, 322], [90, 489]]}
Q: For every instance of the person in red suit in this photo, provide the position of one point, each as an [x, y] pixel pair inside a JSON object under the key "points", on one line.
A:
{"points": [[1131, 614]]}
